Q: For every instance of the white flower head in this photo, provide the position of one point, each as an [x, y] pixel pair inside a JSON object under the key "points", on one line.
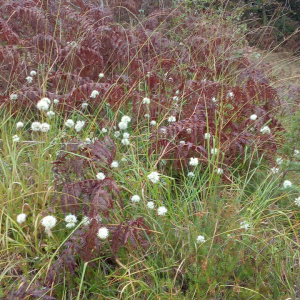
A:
{"points": [[125, 142], [29, 79], [230, 94], [279, 160], [175, 98], [287, 184], [70, 225], [45, 127], [194, 161], [123, 125], [50, 114], [32, 73], [153, 123], [70, 219], [104, 130], [297, 201], [146, 115], [219, 171], [126, 135], [200, 239], [245, 225], [296, 152], [16, 138], [177, 92], [150, 205], [135, 198], [214, 100], [100, 176], [49, 222], [162, 210], [103, 233], [123, 159], [114, 164], [43, 104], [13, 97], [94, 94], [214, 151], [154, 177], [274, 170], [101, 75], [84, 105], [86, 221], [171, 119], [55, 101], [189, 130], [126, 119], [69, 123], [265, 130], [146, 101], [20, 125], [207, 136], [253, 117], [117, 134], [191, 174], [36, 126], [79, 125], [21, 218]]}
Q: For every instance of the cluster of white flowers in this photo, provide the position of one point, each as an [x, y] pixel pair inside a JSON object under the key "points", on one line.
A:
{"points": [[117, 134], [13, 97], [19, 125], [84, 105], [146, 101], [104, 130], [296, 152], [207, 136], [16, 138], [94, 94], [36, 126], [253, 117], [265, 130], [245, 225], [43, 104], [189, 130], [171, 119], [135, 198], [100, 176], [79, 125], [49, 222], [29, 79], [297, 201], [71, 221], [114, 164], [153, 123], [45, 127], [177, 92], [200, 239], [191, 174], [55, 101], [101, 75], [194, 161], [126, 119], [103, 233], [214, 100], [287, 184], [182, 142], [150, 205], [274, 170], [230, 94], [279, 160], [219, 171], [147, 116], [214, 151], [175, 98], [123, 125], [50, 114], [125, 142], [69, 123], [32, 73], [162, 210], [154, 177], [21, 218], [126, 135], [86, 221]]}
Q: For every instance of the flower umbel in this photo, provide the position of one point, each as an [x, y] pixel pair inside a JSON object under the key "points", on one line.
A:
{"points": [[154, 177], [103, 233], [161, 211], [21, 218], [48, 222]]}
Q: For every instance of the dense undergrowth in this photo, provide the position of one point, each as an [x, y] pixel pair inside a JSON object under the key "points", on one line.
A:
{"points": [[142, 157]]}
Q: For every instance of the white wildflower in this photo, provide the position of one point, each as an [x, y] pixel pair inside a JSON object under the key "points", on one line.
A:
{"points": [[200, 239], [171, 119], [175, 98], [245, 225], [55, 101], [207, 136], [265, 129], [191, 174], [16, 138], [177, 92], [153, 123], [103, 233], [29, 79], [219, 171], [87, 140], [101, 75], [230, 94], [79, 125], [36, 126], [86, 221], [182, 142], [123, 159], [94, 94], [125, 142], [214, 151], [214, 100], [154, 177], [70, 225], [20, 125], [150, 205], [13, 97], [70, 219], [69, 123], [297, 201], [100, 176], [45, 127], [50, 114], [49, 222], [253, 117], [117, 134], [146, 115], [32, 73], [114, 164], [296, 152], [194, 161], [122, 125], [126, 119], [161, 211], [287, 184], [189, 130], [135, 198], [84, 105], [104, 130], [126, 135], [21, 218], [43, 104], [146, 100], [279, 160], [274, 170]]}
